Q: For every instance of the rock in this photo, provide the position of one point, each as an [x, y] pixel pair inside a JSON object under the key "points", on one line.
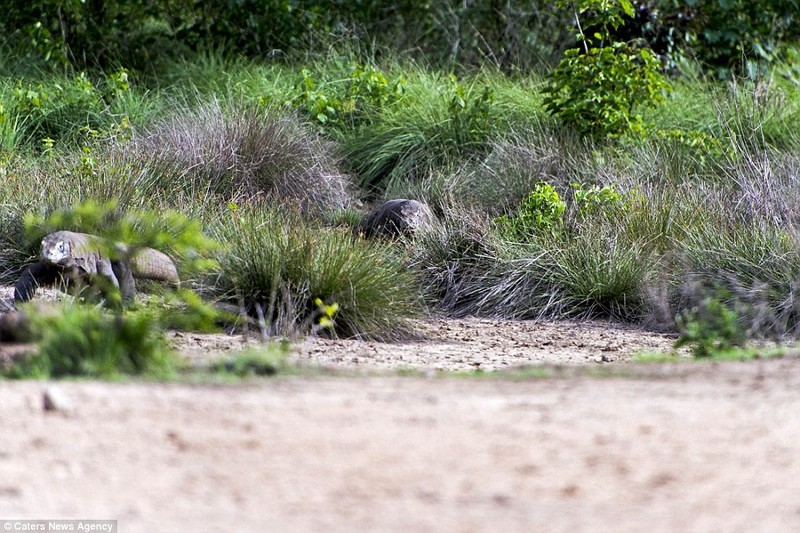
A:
{"points": [[55, 400], [396, 217]]}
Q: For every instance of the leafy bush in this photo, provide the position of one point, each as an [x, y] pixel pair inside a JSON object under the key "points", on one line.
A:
{"points": [[702, 146], [79, 340], [594, 198], [542, 210], [283, 263], [709, 328], [367, 91], [597, 88]]}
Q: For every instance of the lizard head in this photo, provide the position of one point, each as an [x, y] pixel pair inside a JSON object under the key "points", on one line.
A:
{"points": [[56, 250]]}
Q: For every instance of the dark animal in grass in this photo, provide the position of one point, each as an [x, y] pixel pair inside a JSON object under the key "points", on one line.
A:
{"points": [[395, 218], [77, 258]]}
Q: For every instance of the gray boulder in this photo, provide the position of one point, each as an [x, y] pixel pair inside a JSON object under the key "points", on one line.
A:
{"points": [[395, 218]]}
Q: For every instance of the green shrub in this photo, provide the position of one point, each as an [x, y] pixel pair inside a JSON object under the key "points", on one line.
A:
{"points": [[79, 340], [542, 210], [594, 199], [710, 328], [282, 263], [367, 91], [597, 88]]}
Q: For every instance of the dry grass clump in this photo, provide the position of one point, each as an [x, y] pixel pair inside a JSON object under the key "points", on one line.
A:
{"points": [[234, 150]]}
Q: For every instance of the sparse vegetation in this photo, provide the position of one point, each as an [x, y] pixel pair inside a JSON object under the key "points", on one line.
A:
{"points": [[86, 341], [266, 361]]}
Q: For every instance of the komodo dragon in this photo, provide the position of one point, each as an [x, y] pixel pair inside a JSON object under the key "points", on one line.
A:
{"points": [[77, 257]]}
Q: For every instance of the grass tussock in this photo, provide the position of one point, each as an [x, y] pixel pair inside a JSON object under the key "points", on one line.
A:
{"points": [[288, 265], [235, 150]]}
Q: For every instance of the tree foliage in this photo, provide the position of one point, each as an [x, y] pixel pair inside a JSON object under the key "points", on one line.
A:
{"points": [[728, 35], [598, 85]]}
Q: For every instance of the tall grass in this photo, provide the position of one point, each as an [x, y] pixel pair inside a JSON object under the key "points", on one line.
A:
{"points": [[234, 150], [282, 262], [438, 121]]}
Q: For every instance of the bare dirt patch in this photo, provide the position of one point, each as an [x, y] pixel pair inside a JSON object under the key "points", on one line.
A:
{"points": [[459, 345], [716, 448], [470, 344], [678, 447]]}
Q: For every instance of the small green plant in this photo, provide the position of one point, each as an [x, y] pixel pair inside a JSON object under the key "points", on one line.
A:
{"points": [[366, 90], [470, 120], [542, 210], [594, 198], [265, 361], [596, 88], [324, 108], [710, 328], [371, 86], [87, 341], [117, 83]]}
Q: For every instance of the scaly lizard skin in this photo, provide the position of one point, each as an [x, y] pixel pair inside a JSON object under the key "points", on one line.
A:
{"points": [[77, 257]]}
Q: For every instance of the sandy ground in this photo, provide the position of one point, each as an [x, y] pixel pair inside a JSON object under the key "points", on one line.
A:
{"points": [[462, 345], [604, 445], [713, 447]]}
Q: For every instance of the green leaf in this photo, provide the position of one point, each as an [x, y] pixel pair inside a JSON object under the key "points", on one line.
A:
{"points": [[627, 7]]}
